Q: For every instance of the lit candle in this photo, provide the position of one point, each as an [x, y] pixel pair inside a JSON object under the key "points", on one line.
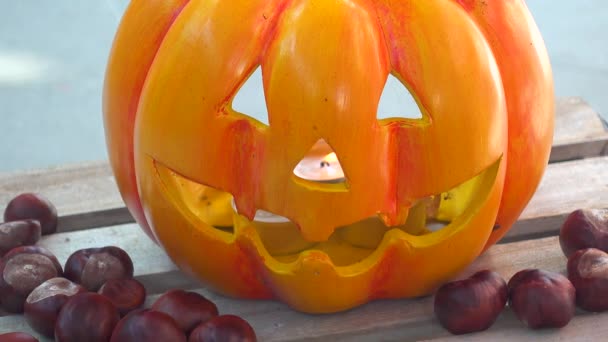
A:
{"points": [[281, 236], [320, 165]]}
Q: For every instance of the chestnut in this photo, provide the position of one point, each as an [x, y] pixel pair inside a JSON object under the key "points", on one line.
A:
{"points": [[588, 272], [584, 228], [541, 299], [22, 270], [33, 206], [187, 308], [145, 325], [87, 317], [126, 294], [43, 304], [18, 233], [471, 304], [223, 328], [92, 267], [17, 337]]}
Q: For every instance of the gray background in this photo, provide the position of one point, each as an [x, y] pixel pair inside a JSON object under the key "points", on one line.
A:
{"points": [[53, 55]]}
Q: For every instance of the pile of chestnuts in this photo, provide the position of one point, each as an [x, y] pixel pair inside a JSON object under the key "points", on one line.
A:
{"points": [[94, 296], [539, 299]]}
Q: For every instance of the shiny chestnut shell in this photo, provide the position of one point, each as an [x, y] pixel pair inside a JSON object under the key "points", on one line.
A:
{"points": [[542, 299], [17, 337], [588, 272], [127, 294], [584, 228], [87, 317], [471, 304], [42, 306], [18, 233], [145, 325], [33, 206], [223, 328], [21, 271], [92, 267], [187, 308]]}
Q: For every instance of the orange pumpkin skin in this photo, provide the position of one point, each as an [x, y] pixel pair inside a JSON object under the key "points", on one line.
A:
{"points": [[176, 65]]}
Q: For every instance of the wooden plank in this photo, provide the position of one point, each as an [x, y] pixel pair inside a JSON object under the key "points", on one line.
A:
{"points": [[579, 131], [86, 195], [565, 187], [380, 320], [583, 328], [151, 265]]}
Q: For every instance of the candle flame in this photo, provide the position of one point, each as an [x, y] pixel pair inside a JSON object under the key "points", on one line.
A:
{"points": [[331, 158]]}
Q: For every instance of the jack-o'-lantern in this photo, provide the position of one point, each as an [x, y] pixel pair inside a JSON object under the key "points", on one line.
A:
{"points": [[194, 171]]}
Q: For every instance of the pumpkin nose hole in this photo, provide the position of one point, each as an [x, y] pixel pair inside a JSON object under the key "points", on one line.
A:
{"points": [[320, 169]]}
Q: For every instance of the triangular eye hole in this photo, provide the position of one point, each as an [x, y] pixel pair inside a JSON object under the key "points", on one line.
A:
{"points": [[397, 102], [250, 99], [320, 169]]}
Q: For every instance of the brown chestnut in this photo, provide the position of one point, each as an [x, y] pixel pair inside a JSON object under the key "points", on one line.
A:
{"points": [[43, 304], [223, 328], [21, 271], [187, 308], [588, 272], [147, 325], [541, 299], [87, 317], [17, 337], [33, 206], [126, 294], [92, 267], [18, 233], [471, 304], [584, 228]]}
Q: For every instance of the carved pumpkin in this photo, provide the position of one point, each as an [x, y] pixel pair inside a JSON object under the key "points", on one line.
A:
{"points": [[180, 152]]}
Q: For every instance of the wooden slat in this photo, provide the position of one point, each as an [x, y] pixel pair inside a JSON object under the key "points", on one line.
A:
{"points": [[584, 327], [152, 266], [380, 320], [565, 187], [579, 131], [86, 194]]}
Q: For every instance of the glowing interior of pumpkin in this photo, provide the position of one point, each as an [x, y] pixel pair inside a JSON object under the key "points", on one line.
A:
{"points": [[346, 245]]}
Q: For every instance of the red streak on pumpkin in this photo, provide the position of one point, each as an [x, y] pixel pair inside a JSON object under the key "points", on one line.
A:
{"points": [[469, 5], [242, 142], [250, 273], [384, 271]]}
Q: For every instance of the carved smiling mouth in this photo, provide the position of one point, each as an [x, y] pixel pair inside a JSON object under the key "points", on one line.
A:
{"points": [[430, 219]]}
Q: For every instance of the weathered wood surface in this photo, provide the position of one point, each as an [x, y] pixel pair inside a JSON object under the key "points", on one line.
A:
{"points": [[87, 197], [92, 214], [565, 187], [382, 320], [579, 131]]}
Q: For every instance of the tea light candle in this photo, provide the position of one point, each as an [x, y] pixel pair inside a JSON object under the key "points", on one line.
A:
{"points": [[281, 236], [320, 166]]}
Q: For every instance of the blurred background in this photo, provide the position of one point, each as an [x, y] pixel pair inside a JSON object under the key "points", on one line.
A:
{"points": [[53, 56]]}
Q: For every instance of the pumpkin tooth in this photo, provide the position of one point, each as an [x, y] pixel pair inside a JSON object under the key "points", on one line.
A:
{"points": [[315, 231], [396, 218], [245, 206]]}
